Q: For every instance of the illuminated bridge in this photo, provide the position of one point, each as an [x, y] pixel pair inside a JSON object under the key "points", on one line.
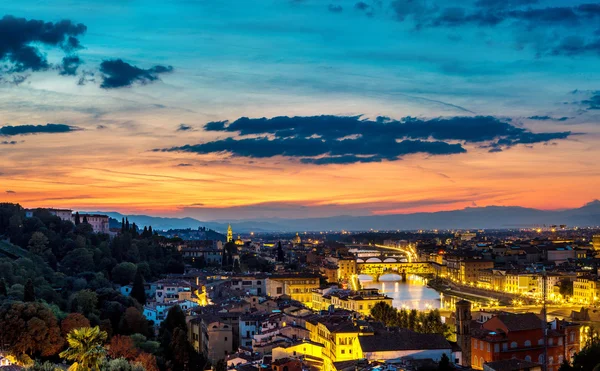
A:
{"points": [[377, 267]]}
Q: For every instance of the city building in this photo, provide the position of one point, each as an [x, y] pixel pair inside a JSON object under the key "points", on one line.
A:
{"points": [[586, 289], [521, 336], [98, 222], [63, 214], [296, 286], [346, 268], [249, 284], [212, 337], [360, 301], [229, 233], [596, 242]]}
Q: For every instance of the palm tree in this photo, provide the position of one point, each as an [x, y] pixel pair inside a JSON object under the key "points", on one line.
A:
{"points": [[85, 348]]}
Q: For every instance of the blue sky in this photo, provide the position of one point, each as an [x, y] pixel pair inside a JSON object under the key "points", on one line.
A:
{"points": [[427, 59]]}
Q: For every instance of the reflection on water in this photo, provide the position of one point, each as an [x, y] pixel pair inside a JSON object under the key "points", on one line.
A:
{"points": [[414, 294]]}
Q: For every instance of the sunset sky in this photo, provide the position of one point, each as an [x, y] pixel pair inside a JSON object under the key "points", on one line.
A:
{"points": [[236, 109]]}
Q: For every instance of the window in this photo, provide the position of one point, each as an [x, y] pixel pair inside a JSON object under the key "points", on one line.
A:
{"points": [[482, 361], [496, 348], [504, 346], [560, 342], [280, 290], [475, 362], [551, 341], [541, 359], [527, 343], [488, 347], [550, 360], [572, 337], [343, 351], [528, 358], [513, 344], [225, 338], [560, 360], [541, 342]]}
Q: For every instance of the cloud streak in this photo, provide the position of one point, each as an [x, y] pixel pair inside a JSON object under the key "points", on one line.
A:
{"points": [[119, 74], [36, 129], [323, 140]]}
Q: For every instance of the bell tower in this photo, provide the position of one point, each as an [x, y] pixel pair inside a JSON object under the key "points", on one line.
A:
{"points": [[229, 233], [463, 330]]}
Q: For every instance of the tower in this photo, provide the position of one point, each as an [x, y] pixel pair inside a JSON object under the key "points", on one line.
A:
{"points": [[463, 330], [229, 233]]}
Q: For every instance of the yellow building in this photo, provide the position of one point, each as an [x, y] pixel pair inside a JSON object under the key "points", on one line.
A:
{"points": [[586, 290], [338, 336], [361, 301], [466, 270], [346, 268], [596, 242], [299, 287], [519, 283]]}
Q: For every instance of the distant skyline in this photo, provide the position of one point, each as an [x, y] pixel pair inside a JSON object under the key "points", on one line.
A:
{"points": [[299, 108]]}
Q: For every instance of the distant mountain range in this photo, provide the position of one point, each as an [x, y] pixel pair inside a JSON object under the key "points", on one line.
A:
{"points": [[490, 217]]}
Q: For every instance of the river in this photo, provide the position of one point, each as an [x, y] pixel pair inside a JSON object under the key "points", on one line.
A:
{"points": [[414, 294]]}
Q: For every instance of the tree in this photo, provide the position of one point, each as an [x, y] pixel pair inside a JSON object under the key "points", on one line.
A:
{"points": [[73, 321], [133, 322], [122, 347], [586, 359], [236, 266], [28, 291], [280, 254], [3, 291], [127, 224], [384, 313], [29, 328], [138, 292], [84, 301], [85, 349], [124, 273], [123, 225], [85, 221], [46, 366], [77, 219], [38, 243], [221, 365], [444, 364], [148, 361]]}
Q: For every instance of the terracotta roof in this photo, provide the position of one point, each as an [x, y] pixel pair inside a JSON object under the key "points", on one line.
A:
{"points": [[511, 365], [403, 340], [521, 322]]}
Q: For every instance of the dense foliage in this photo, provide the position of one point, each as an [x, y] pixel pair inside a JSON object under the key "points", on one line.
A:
{"points": [[424, 322], [59, 280]]}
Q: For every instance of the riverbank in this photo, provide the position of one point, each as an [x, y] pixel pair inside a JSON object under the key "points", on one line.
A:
{"points": [[472, 293]]}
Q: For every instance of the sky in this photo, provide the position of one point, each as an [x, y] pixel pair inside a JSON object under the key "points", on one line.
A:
{"points": [[232, 109]]}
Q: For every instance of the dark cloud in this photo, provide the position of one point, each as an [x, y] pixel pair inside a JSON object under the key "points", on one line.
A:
{"points": [[10, 192], [335, 8], [548, 118], [6, 142], [504, 4], [418, 10], [574, 45], [184, 127], [351, 139], [21, 38], [69, 65], [184, 165], [118, 74], [361, 5], [36, 129], [593, 102]]}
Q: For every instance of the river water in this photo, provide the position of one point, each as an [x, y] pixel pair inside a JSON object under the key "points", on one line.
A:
{"points": [[414, 294]]}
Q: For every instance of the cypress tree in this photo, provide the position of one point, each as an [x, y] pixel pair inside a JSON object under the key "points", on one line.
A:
{"points": [[122, 225], [127, 224], [28, 292], [280, 256], [77, 219], [3, 291], [85, 221], [150, 232], [137, 291]]}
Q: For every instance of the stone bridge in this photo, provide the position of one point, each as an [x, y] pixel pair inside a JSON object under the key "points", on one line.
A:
{"points": [[377, 267]]}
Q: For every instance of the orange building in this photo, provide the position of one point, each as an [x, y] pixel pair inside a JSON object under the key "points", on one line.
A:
{"points": [[286, 364], [520, 336]]}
